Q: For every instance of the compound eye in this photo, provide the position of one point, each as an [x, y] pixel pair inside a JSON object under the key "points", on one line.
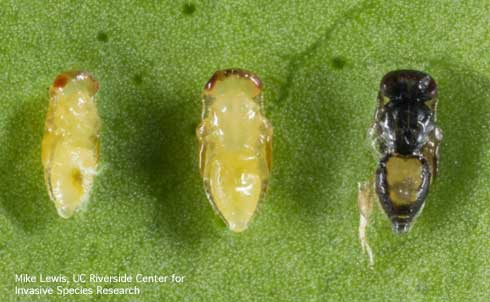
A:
{"points": [[394, 85], [427, 86], [387, 86]]}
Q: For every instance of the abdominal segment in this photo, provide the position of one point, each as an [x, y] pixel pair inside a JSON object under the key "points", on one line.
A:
{"points": [[234, 184], [70, 146], [402, 184]]}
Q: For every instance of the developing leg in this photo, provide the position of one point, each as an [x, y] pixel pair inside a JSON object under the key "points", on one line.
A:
{"points": [[365, 201]]}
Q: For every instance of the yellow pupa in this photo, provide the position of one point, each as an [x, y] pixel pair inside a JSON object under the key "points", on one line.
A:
{"points": [[70, 146], [235, 146]]}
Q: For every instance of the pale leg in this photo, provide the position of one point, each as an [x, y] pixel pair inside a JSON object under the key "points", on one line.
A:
{"points": [[365, 199]]}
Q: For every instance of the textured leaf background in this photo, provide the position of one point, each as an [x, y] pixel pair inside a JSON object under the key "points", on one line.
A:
{"points": [[321, 63]]}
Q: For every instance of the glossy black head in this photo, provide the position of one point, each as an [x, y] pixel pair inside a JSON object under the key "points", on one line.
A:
{"points": [[408, 85]]}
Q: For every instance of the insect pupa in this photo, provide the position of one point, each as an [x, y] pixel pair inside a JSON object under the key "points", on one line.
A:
{"points": [[407, 139], [235, 146], [70, 146]]}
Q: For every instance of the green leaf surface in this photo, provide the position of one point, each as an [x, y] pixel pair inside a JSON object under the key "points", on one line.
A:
{"points": [[320, 63]]}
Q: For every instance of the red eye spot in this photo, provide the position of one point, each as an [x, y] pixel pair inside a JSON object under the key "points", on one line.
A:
{"points": [[60, 81], [210, 84]]}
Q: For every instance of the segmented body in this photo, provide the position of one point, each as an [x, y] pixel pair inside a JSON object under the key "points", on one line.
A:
{"points": [[408, 141], [235, 146], [70, 146]]}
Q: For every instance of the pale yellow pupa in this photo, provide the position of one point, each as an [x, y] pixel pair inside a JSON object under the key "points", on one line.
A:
{"points": [[70, 146], [235, 146]]}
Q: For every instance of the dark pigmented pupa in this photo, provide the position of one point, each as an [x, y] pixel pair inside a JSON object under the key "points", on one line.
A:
{"points": [[407, 139]]}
